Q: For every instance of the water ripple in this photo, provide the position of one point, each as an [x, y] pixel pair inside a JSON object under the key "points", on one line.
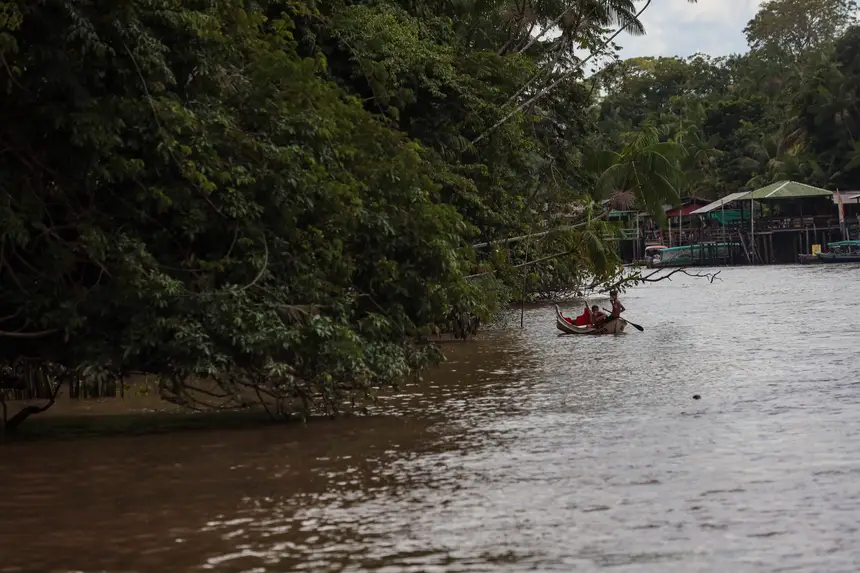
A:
{"points": [[526, 452]]}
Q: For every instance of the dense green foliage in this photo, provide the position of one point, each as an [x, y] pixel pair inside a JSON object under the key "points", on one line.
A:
{"points": [[784, 110], [282, 198], [286, 198]]}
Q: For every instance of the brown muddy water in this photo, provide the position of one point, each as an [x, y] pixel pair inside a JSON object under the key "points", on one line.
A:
{"points": [[526, 452]]}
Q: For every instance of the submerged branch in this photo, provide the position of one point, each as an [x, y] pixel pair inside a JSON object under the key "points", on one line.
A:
{"points": [[18, 419]]}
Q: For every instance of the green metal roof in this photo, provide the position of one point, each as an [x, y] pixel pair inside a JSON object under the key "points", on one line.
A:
{"points": [[727, 216], [786, 190]]}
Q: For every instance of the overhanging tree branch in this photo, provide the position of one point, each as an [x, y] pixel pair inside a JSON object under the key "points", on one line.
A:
{"points": [[521, 265], [547, 28], [637, 278], [553, 85], [541, 234], [552, 63], [561, 79], [38, 334]]}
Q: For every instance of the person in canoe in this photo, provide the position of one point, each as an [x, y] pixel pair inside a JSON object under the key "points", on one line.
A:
{"points": [[583, 319], [617, 307], [597, 315]]}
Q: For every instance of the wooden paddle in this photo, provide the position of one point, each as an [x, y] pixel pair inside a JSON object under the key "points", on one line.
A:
{"points": [[633, 324]]}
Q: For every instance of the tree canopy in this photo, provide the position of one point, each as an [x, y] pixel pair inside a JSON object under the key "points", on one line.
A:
{"points": [[284, 197], [783, 110], [289, 197]]}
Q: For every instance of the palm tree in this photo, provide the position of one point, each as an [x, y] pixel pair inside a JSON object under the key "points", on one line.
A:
{"points": [[647, 167], [577, 20], [561, 65], [776, 157]]}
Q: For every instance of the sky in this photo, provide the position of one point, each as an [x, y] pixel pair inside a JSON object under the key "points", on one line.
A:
{"points": [[679, 28]]}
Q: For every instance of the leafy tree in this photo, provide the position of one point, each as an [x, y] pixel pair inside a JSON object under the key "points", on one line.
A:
{"points": [[184, 194], [825, 107], [432, 79], [647, 167], [785, 110], [277, 199], [789, 30]]}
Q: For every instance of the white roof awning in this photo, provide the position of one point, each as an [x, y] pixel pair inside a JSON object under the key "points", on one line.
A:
{"points": [[847, 197], [719, 203]]}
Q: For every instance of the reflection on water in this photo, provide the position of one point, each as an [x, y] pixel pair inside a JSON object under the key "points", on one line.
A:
{"points": [[526, 451]]}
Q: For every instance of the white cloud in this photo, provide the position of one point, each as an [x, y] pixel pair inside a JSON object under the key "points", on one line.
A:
{"points": [[679, 28], [726, 11]]}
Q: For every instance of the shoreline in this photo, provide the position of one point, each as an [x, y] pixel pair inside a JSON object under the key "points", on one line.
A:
{"points": [[73, 426]]}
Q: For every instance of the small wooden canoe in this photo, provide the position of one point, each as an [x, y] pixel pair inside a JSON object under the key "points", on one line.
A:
{"points": [[612, 327]]}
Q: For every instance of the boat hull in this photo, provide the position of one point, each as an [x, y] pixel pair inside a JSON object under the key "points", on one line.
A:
{"points": [[831, 258], [809, 260], [698, 254], [615, 326]]}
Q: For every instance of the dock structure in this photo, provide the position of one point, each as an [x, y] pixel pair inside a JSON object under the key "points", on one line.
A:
{"points": [[776, 224]]}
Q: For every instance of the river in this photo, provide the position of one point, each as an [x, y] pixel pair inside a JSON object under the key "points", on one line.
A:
{"points": [[525, 452]]}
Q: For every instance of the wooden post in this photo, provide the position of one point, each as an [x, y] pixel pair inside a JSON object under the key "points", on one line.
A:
{"points": [[75, 387], [753, 244], [525, 278], [638, 239], [772, 256]]}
